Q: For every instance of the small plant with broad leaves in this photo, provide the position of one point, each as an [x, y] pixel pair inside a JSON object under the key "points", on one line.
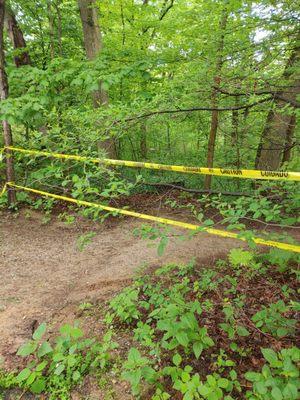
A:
{"points": [[272, 319], [279, 377], [55, 369], [84, 240], [137, 369], [124, 306]]}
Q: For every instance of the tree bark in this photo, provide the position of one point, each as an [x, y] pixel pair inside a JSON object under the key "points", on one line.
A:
{"points": [[143, 141], [17, 38], [59, 28], [51, 29], [280, 123], [214, 99], [289, 140], [7, 135], [93, 45]]}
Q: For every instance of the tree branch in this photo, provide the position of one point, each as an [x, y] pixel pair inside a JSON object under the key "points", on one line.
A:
{"points": [[274, 93], [193, 109]]}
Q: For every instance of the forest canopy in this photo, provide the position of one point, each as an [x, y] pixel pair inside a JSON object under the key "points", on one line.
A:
{"points": [[208, 83]]}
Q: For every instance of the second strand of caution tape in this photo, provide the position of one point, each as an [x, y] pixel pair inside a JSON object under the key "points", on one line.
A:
{"points": [[185, 225]]}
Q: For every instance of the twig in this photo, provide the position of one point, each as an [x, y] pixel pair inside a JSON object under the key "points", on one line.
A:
{"points": [[177, 187]]}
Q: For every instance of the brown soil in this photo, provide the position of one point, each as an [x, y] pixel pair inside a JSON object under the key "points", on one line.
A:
{"points": [[44, 276]]}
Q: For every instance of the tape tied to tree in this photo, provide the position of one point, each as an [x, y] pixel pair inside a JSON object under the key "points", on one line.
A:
{"points": [[233, 173]]}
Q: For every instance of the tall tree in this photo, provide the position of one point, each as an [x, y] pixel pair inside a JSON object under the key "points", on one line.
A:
{"points": [[17, 38], [276, 138], [7, 134], [93, 46], [214, 98]]}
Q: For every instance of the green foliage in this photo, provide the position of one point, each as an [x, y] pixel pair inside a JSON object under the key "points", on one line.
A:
{"points": [[56, 368], [138, 369], [239, 257], [282, 259], [84, 240], [272, 319], [279, 377], [153, 233], [125, 306], [185, 332]]}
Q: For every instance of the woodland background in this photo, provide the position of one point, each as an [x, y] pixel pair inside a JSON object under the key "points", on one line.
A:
{"points": [[211, 83]]}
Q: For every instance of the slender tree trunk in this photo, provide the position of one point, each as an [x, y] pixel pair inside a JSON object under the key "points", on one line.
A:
{"points": [[17, 38], [235, 135], [59, 28], [289, 140], [168, 137], [280, 123], [7, 135], [51, 29], [214, 99], [93, 46], [143, 141]]}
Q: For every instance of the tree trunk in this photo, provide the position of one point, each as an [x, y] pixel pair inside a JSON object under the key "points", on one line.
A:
{"points": [[272, 149], [59, 28], [143, 141], [7, 135], [235, 135], [51, 29], [16, 36], [289, 140], [214, 99], [93, 46]]}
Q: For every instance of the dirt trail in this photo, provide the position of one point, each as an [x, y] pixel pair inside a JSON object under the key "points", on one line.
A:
{"points": [[43, 273]]}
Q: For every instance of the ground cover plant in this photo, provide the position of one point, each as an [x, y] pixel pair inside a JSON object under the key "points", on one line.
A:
{"points": [[227, 331]]}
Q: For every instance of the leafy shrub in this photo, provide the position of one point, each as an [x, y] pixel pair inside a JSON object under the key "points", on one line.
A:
{"points": [[138, 369], [124, 305], [272, 320], [279, 377], [55, 369]]}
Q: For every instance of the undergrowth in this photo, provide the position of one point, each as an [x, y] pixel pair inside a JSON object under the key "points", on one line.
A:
{"points": [[223, 332]]}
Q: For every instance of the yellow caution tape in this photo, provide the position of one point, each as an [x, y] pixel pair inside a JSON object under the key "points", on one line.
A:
{"points": [[218, 232], [233, 173], [3, 190]]}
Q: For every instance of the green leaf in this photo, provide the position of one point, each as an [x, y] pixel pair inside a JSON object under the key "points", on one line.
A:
{"points": [[31, 379], [27, 349], [281, 332], [223, 383], [44, 349], [38, 386], [182, 338], [270, 356], [134, 355], [185, 376], [41, 366], [162, 245], [276, 394], [76, 376], [253, 376], [23, 375], [261, 388], [242, 331], [197, 349], [203, 390], [59, 369], [38, 334], [177, 359], [290, 392]]}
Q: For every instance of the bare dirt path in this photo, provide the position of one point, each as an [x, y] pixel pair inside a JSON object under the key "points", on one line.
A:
{"points": [[43, 273]]}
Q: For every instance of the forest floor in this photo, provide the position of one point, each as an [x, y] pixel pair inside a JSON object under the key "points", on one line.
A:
{"points": [[45, 276]]}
